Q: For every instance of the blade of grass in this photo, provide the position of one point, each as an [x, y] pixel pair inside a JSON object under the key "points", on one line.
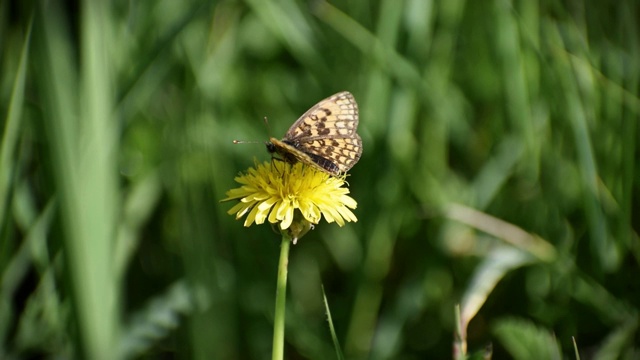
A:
{"points": [[527, 341], [459, 337], [578, 110], [334, 337], [12, 127], [492, 269], [139, 204], [98, 179], [501, 229], [287, 21], [390, 60], [575, 347], [17, 269], [84, 165]]}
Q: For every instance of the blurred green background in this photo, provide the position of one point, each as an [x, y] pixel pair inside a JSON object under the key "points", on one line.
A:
{"points": [[499, 172]]}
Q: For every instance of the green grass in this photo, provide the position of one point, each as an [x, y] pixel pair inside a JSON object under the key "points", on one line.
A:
{"points": [[499, 173]]}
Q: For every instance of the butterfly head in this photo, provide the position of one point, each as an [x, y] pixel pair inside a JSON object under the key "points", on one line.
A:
{"points": [[271, 147]]}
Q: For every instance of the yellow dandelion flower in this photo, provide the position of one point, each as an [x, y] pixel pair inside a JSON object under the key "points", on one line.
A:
{"points": [[295, 197]]}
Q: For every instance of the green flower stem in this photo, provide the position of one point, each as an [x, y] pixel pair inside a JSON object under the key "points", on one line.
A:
{"points": [[281, 297]]}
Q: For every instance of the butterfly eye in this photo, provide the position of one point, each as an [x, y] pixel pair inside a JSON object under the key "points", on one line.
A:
{"points": [[270, 147]]}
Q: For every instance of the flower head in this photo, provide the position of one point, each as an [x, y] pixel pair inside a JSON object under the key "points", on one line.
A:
{"points": [[293, 196]]}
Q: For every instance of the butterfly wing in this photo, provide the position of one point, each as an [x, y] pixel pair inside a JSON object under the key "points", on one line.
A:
{"points": [[327, 135]]}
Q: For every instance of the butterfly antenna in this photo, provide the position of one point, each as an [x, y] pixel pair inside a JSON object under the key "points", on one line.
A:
{"points": [[246, 142], [266, 123]]}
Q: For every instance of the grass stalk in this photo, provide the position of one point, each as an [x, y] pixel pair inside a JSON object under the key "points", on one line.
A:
{"points": [[281, 299]]}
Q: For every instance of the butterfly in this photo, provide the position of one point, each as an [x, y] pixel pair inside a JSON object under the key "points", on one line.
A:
{"points": [[324, 137]]}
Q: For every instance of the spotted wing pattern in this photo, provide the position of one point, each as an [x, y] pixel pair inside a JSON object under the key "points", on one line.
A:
{"points": [[324, 137]]}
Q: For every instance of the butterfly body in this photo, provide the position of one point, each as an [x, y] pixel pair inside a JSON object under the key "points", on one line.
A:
{"points": [[324, 137]]}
